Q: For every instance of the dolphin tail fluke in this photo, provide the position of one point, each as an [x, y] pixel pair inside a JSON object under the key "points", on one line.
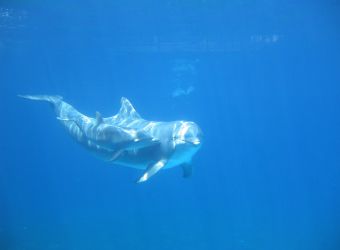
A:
{"points": [[48, 98]]}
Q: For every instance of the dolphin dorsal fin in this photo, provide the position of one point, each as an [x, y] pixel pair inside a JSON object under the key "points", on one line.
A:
{"points": [[127, 110], [99, 118]]}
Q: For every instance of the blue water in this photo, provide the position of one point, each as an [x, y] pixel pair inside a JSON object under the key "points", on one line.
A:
{"points": [[261, 78]]}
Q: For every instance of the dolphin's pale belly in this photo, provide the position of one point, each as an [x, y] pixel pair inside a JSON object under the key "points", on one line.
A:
{"points": [[143, 161], [139, 159], [143, 158]]}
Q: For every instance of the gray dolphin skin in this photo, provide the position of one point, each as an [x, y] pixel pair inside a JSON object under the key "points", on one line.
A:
{"points": [[127, 139]]}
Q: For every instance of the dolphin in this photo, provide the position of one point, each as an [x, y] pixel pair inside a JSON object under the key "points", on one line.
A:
{"points": [[129, 140]]}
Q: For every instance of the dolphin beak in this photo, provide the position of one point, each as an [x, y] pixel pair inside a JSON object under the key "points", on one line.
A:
{"points": [[196, 142]]}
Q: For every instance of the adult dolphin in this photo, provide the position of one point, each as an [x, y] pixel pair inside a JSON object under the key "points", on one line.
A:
{"points": [[129, 140]]}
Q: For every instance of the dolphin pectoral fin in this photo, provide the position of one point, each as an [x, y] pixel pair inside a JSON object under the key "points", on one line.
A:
{"points": [[116, 155], [153, 169], [187, 170]]}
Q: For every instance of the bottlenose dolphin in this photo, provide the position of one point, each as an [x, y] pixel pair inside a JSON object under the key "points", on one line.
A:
{"points": [[127, 139]]}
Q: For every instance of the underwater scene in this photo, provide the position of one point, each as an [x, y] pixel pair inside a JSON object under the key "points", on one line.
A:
{"points": [[170, 125]]}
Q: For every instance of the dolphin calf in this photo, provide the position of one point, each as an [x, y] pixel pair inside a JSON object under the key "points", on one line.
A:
{"points": [[129, 140]]}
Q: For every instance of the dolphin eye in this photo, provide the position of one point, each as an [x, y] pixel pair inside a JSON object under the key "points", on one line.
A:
{"points": [[175, 137], [178, 139]]}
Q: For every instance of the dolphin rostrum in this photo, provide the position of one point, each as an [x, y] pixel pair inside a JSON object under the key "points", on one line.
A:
{"points": [[127, 139]]}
